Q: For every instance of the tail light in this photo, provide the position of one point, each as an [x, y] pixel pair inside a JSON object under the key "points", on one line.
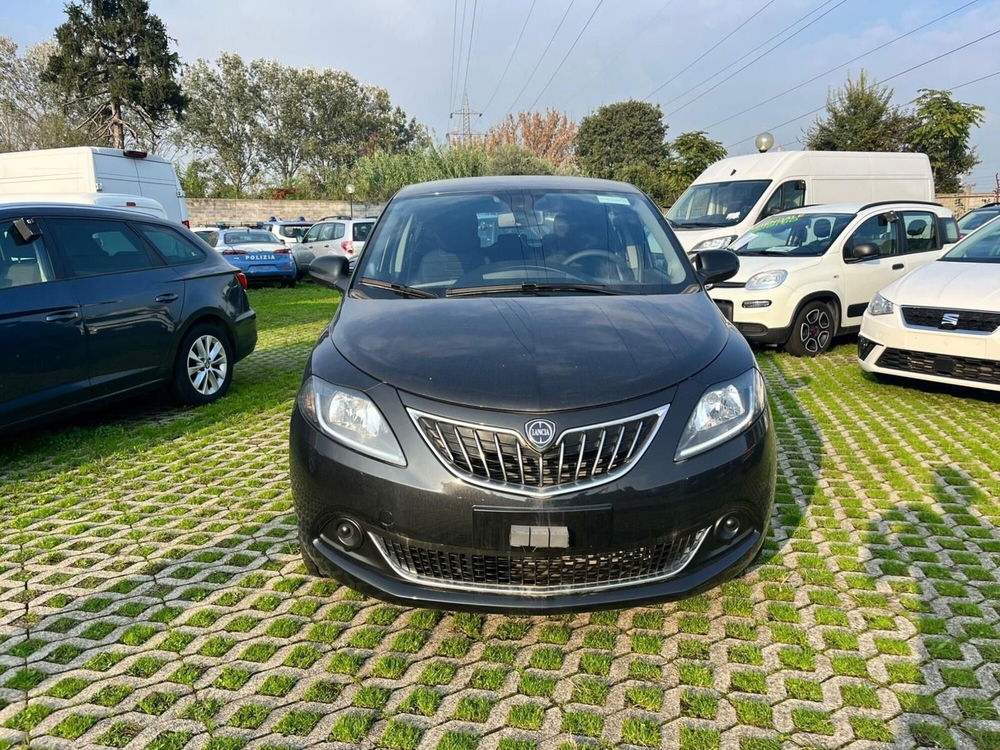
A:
{"points": [[283, 251], [242, 278], [348, 247], [234, 252], [130, 204], [186, 223]]}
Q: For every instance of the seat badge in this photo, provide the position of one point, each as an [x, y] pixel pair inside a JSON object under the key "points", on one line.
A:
{"points": [[949, 320], [540, 433]]}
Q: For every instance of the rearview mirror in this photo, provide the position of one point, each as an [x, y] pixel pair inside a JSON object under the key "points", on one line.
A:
{"points": [[714, 266], [331, 271], [27, 230], [864, 251]]}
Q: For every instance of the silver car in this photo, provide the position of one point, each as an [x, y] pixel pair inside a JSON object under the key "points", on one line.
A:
{"points": [[334, 235]]}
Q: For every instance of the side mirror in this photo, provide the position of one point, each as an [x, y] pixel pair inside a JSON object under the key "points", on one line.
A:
{"points": [[864, 251], [714, 266], [331, 271]]}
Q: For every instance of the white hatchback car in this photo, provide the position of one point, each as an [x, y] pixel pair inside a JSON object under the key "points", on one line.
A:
{"points": [[941, 322], [808, 274]]}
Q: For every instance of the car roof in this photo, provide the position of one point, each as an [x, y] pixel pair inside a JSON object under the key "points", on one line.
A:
{"points": [[853, 208], [79, 209], [303, 223], [516, 182]]}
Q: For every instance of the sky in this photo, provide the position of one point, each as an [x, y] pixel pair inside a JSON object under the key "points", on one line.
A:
{"points": [[708, 63]]}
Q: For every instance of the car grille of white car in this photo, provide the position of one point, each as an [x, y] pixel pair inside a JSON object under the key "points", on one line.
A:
{"points": [[502, 459], [959, 368], [967, 320]]}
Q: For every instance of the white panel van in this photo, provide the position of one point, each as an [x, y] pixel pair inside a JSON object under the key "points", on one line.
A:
{"points": [[88, 170], [733, 194]]}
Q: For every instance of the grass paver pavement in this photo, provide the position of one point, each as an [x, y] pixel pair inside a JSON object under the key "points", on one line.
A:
{"points": [[151, 593]]}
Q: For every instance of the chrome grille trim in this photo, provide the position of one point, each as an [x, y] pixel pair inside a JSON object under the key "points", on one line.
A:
{"points": [[500, 458], [398, 555]]}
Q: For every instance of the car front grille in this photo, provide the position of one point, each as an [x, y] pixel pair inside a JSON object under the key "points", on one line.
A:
{"points": [[469, 570], [968, 320], [502, 459], [959, 368]]}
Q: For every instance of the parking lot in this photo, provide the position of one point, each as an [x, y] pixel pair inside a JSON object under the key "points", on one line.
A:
{"points": [[152, 595]]}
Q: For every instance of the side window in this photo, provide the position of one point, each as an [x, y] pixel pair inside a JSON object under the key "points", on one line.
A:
{"points": [[313, 234], [789, 195], [338, 231], [175, 249], [326, 232], [921, 231], [22, 263], [879, 231], [361, 231], [98, 246]]}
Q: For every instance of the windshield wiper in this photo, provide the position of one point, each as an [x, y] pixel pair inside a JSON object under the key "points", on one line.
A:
{"points": [[406, 291], [529, 288], [763, 252]]}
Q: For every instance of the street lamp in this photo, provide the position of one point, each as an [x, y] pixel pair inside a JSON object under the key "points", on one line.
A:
{"points": [[350, 195], [763, 142]]}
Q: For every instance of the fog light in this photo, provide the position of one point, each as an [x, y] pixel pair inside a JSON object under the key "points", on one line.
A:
{"points": [[756, 303], [727, 528], [348, 534]]}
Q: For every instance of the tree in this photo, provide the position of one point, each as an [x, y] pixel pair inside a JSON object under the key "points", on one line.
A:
{"points": [[222, 122], [620, 135], [942, 131], [114, 60], [551, 136], [511, 159], [284, 121], [860, 116], [690, 154]]}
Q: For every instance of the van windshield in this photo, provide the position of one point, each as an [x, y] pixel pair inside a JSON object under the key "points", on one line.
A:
{"points": [[716, 204], [792, 234]]}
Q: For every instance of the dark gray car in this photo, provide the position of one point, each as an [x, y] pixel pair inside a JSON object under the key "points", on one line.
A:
{"points": [[98, 304]]}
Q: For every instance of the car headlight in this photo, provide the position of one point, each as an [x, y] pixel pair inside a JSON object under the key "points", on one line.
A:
{"points": [[349, 417], [880, 306], [724, 410], [766, 280], [716, 243]]}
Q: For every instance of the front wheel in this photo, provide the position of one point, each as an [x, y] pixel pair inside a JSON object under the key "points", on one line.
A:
{"points": [[203, 369], [813, 330]]}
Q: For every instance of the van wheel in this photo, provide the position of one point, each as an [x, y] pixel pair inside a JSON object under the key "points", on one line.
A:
{"points": [[203, 369], [812, 331]]}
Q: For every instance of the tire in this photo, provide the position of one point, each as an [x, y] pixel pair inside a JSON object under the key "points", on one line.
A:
{"points": [[311, 567], [203, 369], [813, 330], [289, 284]]}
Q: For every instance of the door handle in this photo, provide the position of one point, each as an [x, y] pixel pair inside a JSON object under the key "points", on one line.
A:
{"points": [[897, 266], [62, 317], [168, 297]]}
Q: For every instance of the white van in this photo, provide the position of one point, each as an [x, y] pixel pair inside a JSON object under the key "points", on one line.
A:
{"points": [[88, 169], [119, 201], [733, 194]]}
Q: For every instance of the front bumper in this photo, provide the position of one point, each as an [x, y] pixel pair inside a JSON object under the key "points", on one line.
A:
{"points": [[886, 345], [426, 507], [760, 325]]}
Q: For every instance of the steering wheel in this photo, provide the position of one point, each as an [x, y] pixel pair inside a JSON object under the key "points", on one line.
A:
{"points": [[624, 271], [478, 274]]}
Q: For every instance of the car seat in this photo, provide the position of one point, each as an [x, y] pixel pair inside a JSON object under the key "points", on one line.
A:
{"points": [[914, 242]]}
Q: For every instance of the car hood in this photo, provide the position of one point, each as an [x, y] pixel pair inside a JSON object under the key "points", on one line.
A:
{"points": [[752, 264], [532, 354], [957, 284]]}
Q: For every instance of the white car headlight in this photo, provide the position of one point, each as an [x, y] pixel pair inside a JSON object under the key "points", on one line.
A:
{"points": [[349, 417], [766, 280], [716, 243], [723, 411], [880, 306]]}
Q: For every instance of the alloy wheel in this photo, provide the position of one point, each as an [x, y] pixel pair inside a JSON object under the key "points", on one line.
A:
{"points": [[816, 330], [207, 364]]}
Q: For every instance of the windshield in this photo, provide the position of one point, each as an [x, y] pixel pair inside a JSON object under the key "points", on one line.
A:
{"points": [[975, 219], [512, 241], [209, 235], [294, 231], [981, 247], [792, 234], [248, 238], [716, 204]]}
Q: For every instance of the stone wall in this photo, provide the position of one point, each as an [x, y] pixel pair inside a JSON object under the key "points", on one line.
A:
{"points": [[961, 203], [208, 211]]}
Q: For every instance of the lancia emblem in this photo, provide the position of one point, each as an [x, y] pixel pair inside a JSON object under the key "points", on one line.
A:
{"points": [[540, 433], [949, 320]]}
